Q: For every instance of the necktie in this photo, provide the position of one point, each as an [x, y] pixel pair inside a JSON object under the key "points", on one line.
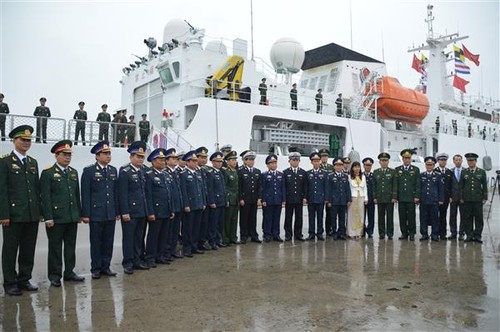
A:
{"points": [[24, 163], [295, 170], [65, 171], [406, 168], [457, 174], [105, 171]]}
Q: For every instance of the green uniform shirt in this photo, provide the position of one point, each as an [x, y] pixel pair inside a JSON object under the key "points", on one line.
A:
{"points": [[474, 185], [42, 111], [4, 108], [408, 183], [384, 185], [327, 167], [60, 195], [103, 117], [20, 189], [144, 127], [231, 176]]}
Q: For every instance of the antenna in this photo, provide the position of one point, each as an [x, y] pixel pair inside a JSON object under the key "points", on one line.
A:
{"points": [[350, 19], [251, 26], [429, 19]]}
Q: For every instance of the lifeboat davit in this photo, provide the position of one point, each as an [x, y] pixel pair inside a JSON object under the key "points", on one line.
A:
{"points": [[399, 103]]}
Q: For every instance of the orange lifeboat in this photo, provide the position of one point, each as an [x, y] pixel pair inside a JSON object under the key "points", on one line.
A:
{"points": [[399, 103]]}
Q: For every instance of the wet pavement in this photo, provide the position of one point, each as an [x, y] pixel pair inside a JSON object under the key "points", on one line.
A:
{"points": [[333, 285]]}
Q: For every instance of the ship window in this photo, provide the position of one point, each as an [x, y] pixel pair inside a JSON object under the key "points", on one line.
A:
{"points": [[155, 87], [355, 81], [141, 93], [166, 75], [303, 84], [332, 80], [322, 82], [312, 83], [176, 66]]}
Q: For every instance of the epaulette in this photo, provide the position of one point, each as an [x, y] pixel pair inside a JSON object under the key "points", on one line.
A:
{"points": [[149, 171], [125, 168], [48, 167], [210, 169], [5, 156], [241, 167]]}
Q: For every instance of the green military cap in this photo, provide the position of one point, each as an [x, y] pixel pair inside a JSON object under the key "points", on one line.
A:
{"points": [[406, 153], [43, 99], [23, 132], [231, 155], [384, 156], [324, 152], [471, 156], [62, 146], [81, 103]]}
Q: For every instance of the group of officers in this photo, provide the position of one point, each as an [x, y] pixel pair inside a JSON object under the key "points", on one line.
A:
{"points": [[180, 199]]}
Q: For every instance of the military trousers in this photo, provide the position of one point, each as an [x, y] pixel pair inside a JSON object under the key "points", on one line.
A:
{"points": [[202, 234], [2, 126], [429, 214], [18, 237], [230, 224], [173, 235], [315, 212], [57, 235], [132, 242], [290, 210], [407, 218], [103, 132], [144, 137], [216, 219], [41, 129], [248, 221], [271, 220], [473, 217], [157, 239], [455, 208], [80, 131], [191, 231], [369, 218], [443, 210], [385, 213], [328, 220], [102, 234], [339, 213]]}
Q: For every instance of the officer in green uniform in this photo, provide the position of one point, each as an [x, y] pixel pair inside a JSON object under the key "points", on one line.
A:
{"points": [[4, 109], [408, 194], [144, 128], [385, 190], [328, 168], [60, 193], [105, 118], [231, 216], [474, 191], [42, 112], [19, 212], [80, 117]]}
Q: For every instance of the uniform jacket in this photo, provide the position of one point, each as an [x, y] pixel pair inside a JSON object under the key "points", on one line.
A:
{"points": [[80, 115], [144, 127], [369, 185], [42, 111], [158, 194], [231, 177], [447, 180], [338, 189], [474, 185], [99, 193], [316, 186], [296, 185], [175, 189], [455, 186], [431, 188], [216, 187], [60, 195], [203, 172], [327, 167], [272, 188], [408, 183], [132, 192], [249, 184], [104, 117], [4, 109], [385, 187], [20, 189], [192, 190]]}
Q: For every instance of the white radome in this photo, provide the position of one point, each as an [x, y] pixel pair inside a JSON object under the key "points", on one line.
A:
{"points": [[287, 55], [216, 47], [176, 29]]}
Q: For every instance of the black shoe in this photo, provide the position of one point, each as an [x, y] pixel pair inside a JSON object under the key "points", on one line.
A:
{"points": [[310, 238], [301, 239], [163, 261], [267, 239], [243, 242], [461, 237], [223, 245], [370, 236], [278, 239], [190, 255], [389, 238], [478, 240], [198, 252], [381, 237], [444, 238], [435, 239], [151, 265], [13, 290], [55, 283], [412, 237], [108, 273], [128, 270], [215, 247], [74, 277], [27, 286], [403, 238], [141, 266], [320, 238], [256, 240], [178, 256], [206, 246], [288, 238], [469, 240], [424, 238]]}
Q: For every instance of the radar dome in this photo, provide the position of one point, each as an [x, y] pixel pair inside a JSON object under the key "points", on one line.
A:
{"points": [[216, 47], [287, 55], [175, 29]]}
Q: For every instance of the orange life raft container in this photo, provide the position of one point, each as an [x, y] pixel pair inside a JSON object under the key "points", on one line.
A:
{"points": [[399, 103]]}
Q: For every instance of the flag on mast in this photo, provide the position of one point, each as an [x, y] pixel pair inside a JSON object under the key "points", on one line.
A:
{"points": [[472, 57]]}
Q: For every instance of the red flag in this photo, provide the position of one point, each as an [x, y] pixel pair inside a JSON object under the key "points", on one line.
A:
{"points": [[416, 64], [460, 83], [472, 57]]}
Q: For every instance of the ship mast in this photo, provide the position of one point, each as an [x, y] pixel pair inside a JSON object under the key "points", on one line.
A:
{"points": [[439, 85]]}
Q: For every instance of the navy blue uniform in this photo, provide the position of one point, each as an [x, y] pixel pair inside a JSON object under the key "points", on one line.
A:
{"points": [[316, 197], [203, 233], [338, 194], [132, 198], [193, 197], [447, 176], [249, 188], [100, 205], [158, 197], [431, 193], [370, 206], [177, 208], [296, 189], [273, 193], [216, 189]]}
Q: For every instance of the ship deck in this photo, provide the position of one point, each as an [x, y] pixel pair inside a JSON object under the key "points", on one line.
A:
{"points": [[332, 285]]}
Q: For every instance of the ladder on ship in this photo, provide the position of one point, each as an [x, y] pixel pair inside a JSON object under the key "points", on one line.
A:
{"points": [[363, 103]]}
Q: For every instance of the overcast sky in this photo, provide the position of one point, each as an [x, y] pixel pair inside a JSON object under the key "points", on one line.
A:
{"points": [[69, 51]]}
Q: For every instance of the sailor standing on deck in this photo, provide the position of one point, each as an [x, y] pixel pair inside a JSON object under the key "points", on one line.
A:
{"points": [[316, 197], [408, 194], [19, 212], [431, 197], [263, 92], [105, 118], [80, 117], [447, 177], [100, 208], [272, 197], [384, 195], [4, 109], [42, 112], [293, 96], [296, 190]]}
